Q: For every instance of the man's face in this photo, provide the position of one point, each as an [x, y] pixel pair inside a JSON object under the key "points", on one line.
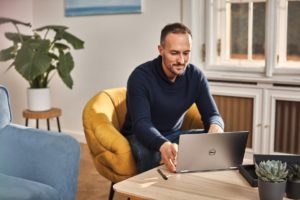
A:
{"points": [[175, 52]]}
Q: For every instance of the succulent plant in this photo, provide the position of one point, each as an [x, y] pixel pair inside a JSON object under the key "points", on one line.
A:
{"points": [[271, 171], [294, 172]]}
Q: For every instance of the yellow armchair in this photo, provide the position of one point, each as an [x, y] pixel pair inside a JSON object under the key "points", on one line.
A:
{"points": [[103, 118]]}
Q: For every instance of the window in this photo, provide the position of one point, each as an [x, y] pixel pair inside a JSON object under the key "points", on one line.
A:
{"points": [[260, 36], [288, 34], [247, 30]]}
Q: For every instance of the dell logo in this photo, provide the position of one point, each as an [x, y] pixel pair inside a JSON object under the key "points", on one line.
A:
{"points": [[212, 152]]}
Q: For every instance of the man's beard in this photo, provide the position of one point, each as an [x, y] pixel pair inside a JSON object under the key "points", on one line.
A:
{"points": [[178, 72]]}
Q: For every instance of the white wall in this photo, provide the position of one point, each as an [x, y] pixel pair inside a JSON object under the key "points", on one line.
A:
{"points": [[114, 46], [22, 10]]}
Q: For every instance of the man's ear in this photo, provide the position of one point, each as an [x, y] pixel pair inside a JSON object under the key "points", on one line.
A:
{"points": [[160, 49]]}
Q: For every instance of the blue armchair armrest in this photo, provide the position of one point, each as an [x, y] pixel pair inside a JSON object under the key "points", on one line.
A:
{"points": [[40, 156]]}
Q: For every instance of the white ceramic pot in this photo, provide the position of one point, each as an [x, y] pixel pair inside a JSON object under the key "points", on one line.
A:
{"points": [[38, 99]]}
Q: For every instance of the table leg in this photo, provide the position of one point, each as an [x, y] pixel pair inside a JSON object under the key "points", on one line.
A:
{"points": [[58, 124], [111, 192], [26, 122], [48, 124], [37, 123]]}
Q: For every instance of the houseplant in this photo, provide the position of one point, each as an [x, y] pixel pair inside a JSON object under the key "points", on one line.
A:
{"points": [[39, 55], [271, 179], [293, 182]]}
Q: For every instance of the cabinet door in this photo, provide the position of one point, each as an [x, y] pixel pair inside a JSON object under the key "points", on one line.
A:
{"points": [[283, 126], [240, 108]]}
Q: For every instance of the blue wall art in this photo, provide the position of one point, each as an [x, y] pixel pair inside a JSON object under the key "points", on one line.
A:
{"points": [[95, 7]]}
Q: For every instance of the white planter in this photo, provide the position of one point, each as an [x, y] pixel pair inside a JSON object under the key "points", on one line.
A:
{"points": [[38, 99]]}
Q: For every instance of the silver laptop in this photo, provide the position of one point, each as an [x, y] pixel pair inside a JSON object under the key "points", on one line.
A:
{"points": [[205, 152]]}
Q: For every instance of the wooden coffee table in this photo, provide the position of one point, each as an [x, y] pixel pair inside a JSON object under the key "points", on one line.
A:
{"points": [[226, 184]]}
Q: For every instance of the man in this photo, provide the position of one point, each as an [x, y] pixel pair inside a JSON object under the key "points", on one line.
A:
{"points": [[159, 92]]}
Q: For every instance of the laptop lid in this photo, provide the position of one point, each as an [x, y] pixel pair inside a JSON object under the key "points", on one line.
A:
{"points": [[204, 152]]}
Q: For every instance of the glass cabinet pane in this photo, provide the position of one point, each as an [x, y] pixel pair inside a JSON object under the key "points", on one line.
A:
{"points": [[239, 31], [259, 18], [293, 36]]}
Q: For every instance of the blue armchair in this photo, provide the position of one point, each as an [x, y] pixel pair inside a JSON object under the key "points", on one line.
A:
{"points": [[35, 164]]}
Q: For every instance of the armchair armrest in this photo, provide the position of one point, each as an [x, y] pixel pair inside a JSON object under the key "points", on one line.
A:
{"points": [[46, 157], [109, 148]]}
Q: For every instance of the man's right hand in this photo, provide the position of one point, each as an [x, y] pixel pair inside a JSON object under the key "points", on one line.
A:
{"points": [[168, 153]]}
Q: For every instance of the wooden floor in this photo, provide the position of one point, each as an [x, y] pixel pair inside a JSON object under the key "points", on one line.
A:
{"points": [[91, 185]]}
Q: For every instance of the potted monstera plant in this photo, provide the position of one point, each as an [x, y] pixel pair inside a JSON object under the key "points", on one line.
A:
{"points": [[38, 56], [293, 182], [271, 179]]}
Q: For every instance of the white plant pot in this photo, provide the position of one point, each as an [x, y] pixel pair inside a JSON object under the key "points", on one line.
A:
{"points": [[38, 99]]}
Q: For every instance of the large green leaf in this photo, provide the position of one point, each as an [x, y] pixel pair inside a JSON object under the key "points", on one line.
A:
{"points": [[73, 40], [59, 30], [4, 20], [15, 37], [7, 54], [61, 46], [32, 59], [65, 66], [52, 27], [42, 80], [53, 56]]}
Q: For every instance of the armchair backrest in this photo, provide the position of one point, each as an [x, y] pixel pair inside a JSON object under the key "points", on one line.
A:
{"points": [[117, 98], [111, 103], [5, 113], [115, 109]]}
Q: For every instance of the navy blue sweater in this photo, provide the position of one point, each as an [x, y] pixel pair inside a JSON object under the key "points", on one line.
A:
{"points": [[156, 106]]}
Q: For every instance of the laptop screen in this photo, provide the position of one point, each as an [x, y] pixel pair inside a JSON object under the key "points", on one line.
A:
{"points": [[205, 152]]}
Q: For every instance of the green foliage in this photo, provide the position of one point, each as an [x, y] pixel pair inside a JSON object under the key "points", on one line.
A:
{"points": [[271, 171], [294, 172], [38, 55]]}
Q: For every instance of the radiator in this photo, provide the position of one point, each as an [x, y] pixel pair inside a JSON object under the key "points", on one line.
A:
{"points": [[237, 113], [287, 127]]}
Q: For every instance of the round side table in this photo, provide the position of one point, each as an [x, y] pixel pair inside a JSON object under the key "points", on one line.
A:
{"points": [[52, 113]]}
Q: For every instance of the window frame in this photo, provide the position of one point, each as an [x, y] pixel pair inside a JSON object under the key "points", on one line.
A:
{"points": [[282, 30], [269, 68]]}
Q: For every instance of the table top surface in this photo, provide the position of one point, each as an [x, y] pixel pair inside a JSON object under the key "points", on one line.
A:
{"points": [[225, 184]]}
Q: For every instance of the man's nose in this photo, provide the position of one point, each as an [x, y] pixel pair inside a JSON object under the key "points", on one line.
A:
{"points": [[180, 59]]}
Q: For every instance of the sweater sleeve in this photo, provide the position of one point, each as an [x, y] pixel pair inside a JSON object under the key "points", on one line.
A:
{"points": [[138, 103], [207, 106]]}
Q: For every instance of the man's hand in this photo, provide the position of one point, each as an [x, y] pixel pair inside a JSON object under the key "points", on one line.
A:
{"points": [[168, 153], [215, 128]]}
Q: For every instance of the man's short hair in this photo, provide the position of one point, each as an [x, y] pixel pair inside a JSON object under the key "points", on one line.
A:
{"points": [[173, 28]]}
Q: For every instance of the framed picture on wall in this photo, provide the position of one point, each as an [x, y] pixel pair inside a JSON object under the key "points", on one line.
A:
{"points": [[95, 7]]}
